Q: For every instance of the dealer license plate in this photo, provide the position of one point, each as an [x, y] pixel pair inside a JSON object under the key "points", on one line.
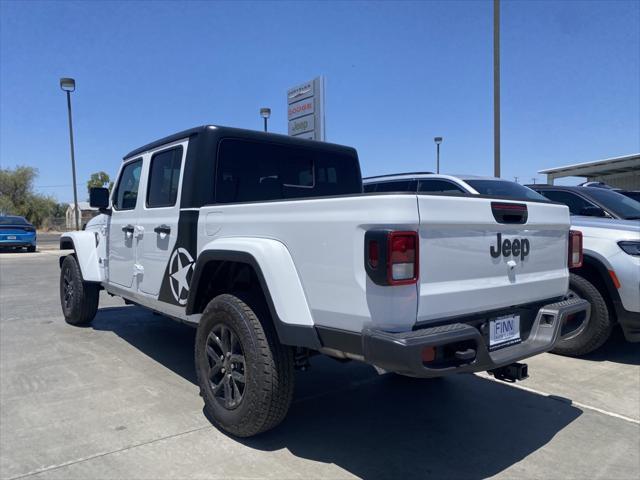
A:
{"points": [[11, 237], [504, 331]]}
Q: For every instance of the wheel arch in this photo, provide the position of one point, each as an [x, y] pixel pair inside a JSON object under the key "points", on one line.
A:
{"points": [[83, 245], [259, 266], [596, 271]]}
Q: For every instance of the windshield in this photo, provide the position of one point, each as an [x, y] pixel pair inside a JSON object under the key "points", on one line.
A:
{"points": [[13, 221], [623, 206], [501, 188]]}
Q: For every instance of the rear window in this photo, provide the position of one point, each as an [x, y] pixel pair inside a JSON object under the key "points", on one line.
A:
{"points": [[13, 221], [619, 204], [255, 171], [503, 188]]}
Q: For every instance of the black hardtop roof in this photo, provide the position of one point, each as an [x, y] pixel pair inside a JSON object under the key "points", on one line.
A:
{"points": [[255, 135]]}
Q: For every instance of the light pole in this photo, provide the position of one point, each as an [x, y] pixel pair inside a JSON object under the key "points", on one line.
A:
{"points": [[69, 85], [496, 88], [265, 113], [438, 141]]}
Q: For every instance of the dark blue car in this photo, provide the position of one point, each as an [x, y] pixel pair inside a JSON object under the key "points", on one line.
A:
{"points": [[17, 232]]}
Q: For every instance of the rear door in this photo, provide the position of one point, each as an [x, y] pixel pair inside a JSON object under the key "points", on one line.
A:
{"points": [[478, 254], [158, 222], [122, 224]]}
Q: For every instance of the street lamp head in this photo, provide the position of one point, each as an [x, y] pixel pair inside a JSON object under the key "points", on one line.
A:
{"points": [[438, 140], [67, 84], [265, 112]]}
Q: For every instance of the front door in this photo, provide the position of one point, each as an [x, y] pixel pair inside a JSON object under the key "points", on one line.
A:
{"points": [[122, 228], [158, 224]]}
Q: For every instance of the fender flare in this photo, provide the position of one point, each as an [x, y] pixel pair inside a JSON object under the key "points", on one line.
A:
{"points": [[83, 243], [278, 277], [601, 266]]}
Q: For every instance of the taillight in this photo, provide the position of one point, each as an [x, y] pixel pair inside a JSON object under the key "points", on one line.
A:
{"points": [[402, 266], [391, 258], [575, 249]]}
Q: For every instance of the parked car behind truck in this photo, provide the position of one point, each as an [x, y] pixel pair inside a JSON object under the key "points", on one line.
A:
{"points": [[267, 244], [610, 275]]}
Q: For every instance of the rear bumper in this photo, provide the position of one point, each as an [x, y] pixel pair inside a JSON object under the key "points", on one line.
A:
{"points": [[18, 242], [402, 352]]}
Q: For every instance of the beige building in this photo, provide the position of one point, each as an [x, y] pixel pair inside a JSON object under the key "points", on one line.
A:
{"points": [[87, 213], [620, 172]]}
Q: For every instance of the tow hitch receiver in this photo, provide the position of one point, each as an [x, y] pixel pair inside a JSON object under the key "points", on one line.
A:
{"points": [[511, 373]]}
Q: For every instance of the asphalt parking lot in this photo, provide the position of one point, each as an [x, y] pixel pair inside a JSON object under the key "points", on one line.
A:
{"points": [[119, 400]]}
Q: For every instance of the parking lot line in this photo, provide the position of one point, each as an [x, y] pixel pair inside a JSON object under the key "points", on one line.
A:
{"points": [[50, 468], [563, 399]]}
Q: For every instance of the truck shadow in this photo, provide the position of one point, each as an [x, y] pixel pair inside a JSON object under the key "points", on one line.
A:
{"points": [[617, 350], [378, 426]]}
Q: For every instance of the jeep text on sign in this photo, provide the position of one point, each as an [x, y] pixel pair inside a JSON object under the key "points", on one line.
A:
{"points": [[301, 125]]}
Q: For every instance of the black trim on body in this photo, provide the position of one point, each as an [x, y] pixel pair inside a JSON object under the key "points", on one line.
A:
{"points": [[294, 335], [342, 340]]}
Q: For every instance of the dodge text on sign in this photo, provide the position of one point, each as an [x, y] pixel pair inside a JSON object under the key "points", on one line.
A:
{"points": [[299, 109]]}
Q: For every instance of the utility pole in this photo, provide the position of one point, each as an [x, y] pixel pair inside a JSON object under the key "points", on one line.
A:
{"points": [[516, 179], [496, 88]]}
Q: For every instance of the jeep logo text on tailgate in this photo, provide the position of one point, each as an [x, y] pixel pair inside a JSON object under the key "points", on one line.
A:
{"points": [[506, 247]]}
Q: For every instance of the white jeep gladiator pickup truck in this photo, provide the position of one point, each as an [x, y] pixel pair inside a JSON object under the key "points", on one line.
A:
{"points": [[267, 244]]}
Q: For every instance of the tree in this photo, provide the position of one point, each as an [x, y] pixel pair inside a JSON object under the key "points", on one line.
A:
{"points": [[99, 179], [18, 198]]}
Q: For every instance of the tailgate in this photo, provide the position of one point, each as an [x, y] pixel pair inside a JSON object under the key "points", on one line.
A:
{"points": [[463, 268]]}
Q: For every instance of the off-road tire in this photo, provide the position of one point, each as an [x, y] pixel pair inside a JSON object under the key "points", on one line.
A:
{"points": [[600, 324], [81, 305], [268, 367]]}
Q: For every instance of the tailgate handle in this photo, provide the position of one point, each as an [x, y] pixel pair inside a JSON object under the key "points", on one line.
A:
{"points": [[514, 213]]}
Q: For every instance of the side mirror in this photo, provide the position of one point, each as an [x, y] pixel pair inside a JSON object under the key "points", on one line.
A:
{"points": [[593, 211], [99, 198]]}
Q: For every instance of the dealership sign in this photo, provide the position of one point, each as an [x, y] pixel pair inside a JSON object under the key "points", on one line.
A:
{"points": [[305, 110]]}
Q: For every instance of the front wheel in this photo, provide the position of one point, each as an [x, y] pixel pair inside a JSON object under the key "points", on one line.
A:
{"points": [[79, 299], [244, 373]]}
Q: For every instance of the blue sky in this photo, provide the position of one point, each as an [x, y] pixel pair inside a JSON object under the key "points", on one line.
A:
{"points": [[398, 74]]}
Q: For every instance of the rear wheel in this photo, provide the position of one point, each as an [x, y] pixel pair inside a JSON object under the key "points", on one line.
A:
{"points": [[592, 335], [245, 374], [31, 248], [79, 299]]}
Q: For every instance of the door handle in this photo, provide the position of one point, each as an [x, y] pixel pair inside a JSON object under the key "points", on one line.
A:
{"points": [[128, 229], [166, 229]]}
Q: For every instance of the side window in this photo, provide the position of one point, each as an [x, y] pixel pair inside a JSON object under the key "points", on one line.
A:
{"points": [[164, 175], [439, 186], [571, 200], [255, 171], [397, 186], [126, 193], [369, 187]]}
